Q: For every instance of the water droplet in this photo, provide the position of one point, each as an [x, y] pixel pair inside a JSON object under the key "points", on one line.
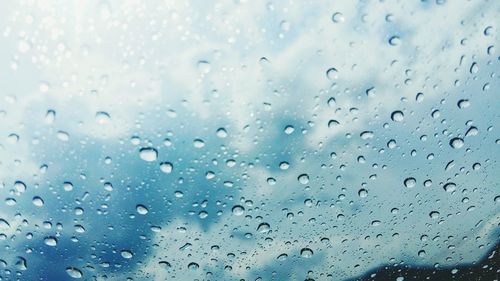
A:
{"points": [[306, 253], [474, 68], [166, 167], [303, 178], [38, 201], [391, 144], [434, 214], [450, 187], [410, 182], [370, 92], [394, 41], [198, 143], [363, 193], [126, 254], [332, 73], [4, 225], [50, 116], [397, 116], [50, 241], [67, 186], [472, 131], [289, 129], [366, 135], [333, 123], [338, 17], [463, 103], [204, 66], [271, 181], [63, 136], [238, 210], [456, 143], [221, 133], [148, 154], [74, 272], [193, 266], [20, 186], [141, 209], [264, 228], [102, 117], [419, 97], [284, 165], [21, 263]]}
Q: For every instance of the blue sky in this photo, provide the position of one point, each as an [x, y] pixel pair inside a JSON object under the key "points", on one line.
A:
{"points": [[168, 74]]}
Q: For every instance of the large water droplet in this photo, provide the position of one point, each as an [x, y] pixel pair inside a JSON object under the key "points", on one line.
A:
{"points": [[456, 143], [306, 253], [148, 154], [74, 272]]}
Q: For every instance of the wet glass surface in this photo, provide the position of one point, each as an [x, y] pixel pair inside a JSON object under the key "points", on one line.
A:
{"points": [[249, 140]]}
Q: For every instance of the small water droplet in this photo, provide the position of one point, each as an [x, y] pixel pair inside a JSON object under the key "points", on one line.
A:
{"points": [[238, 210], [264, 227], [306, 253], [166, 167], [50, 241], [363, 193], [38, 201], [338, 17], [450, 187], [303, 178], [74, 272], [410, 182], [397, 116], [456, 143], [126, 254], [198, 143], [394, 41], [332, 73], [148, 154], [141, 209], [434, 214]]}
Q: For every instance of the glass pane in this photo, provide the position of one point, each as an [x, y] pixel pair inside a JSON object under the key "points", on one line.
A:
{"points": [[249, 140]]}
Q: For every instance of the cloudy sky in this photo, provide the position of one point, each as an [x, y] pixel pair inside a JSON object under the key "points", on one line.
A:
{"points": [[255, 140]]}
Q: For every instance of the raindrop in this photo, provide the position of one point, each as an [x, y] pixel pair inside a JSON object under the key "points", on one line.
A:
{"points": [[198, 143], [410, 182], [332, 73], [338, 17], [264, 228], [37, 201], [450, 187], [456, 143], [102, 117], [20, 186], [148, 154], [141, 209], [306, 253], [363, 193], [434, 215], [394, 41], [463, 103], [238, 210], [126, 254], [193, 266], [397, 116], [303, 178], [63, 136], [50, 241], [221, 133], [366, 135], [166, 167], [289, 129], [74, 272]]}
